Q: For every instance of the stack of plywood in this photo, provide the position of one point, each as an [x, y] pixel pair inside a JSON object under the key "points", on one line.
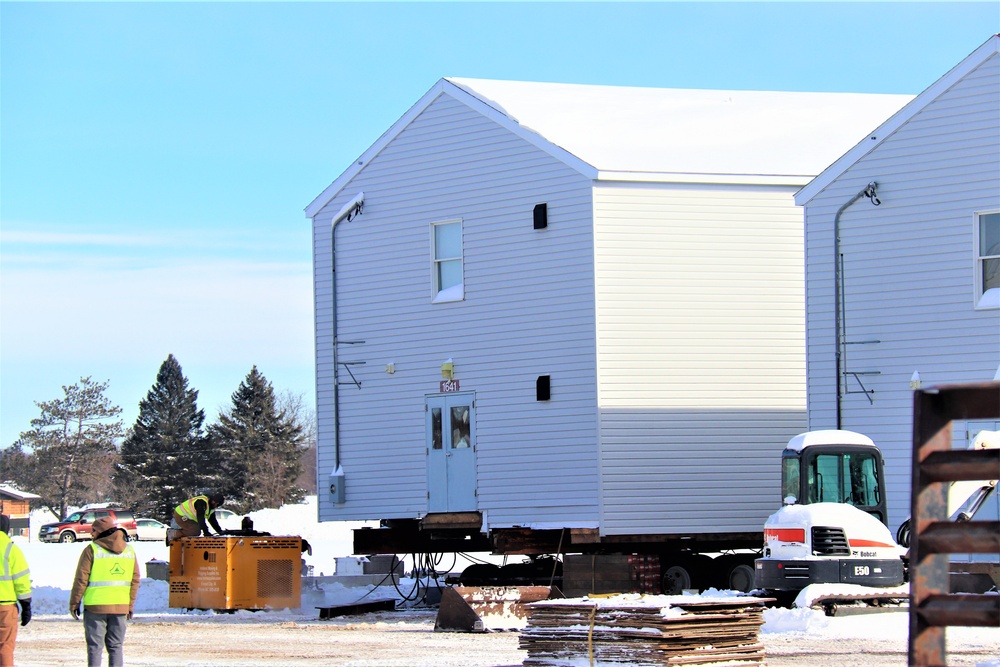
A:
{"points": [[639, 630]]}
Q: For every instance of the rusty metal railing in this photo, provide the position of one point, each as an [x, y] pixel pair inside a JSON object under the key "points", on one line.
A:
{"points": [[933, 537]]}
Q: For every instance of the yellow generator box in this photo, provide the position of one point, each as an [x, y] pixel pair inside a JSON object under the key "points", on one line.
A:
{"points": [[227, 573]]}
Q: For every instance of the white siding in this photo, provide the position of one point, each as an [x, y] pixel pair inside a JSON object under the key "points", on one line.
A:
{"points": [[528, 311], [908, 270], [701, 353]]}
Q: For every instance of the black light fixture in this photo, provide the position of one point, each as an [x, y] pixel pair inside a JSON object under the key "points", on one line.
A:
{"points": [[541, 216]]}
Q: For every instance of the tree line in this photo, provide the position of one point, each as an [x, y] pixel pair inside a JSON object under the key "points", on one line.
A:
{"points": [[260, 453]]}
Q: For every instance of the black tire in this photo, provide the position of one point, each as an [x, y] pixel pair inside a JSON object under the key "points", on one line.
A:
{"points": [[734, 572], [677, 575], [741, 578], [67, 536]]}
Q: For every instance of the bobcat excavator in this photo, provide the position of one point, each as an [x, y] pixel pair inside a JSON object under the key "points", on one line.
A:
{"points": [[833, 527]]}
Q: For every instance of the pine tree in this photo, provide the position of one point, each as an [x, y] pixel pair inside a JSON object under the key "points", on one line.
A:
{"points": [[164, 459], [261, 447], [71, 444]]}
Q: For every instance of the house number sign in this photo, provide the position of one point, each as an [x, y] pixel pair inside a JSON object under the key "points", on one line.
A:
{"points": [[449, 386]]}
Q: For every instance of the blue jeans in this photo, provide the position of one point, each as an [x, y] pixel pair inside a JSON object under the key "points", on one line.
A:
{"points": [[104, 631]]}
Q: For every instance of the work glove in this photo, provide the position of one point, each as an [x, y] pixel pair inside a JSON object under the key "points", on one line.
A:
{"points": [[129, 616], [25, 611], [75, 611]]}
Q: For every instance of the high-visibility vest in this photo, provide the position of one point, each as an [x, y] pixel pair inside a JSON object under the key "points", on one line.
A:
{"points": [[15, 578], [186, 509], [110, 577]]}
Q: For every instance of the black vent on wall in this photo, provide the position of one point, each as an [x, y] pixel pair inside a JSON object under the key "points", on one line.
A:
{"points": [[542, 388], [541, 216]]}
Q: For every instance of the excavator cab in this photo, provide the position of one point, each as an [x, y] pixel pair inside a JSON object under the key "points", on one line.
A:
{"points": [[834, 467]]}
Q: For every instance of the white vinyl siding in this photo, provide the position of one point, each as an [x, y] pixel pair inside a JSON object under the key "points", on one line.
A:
{"points": [[908, 283], [535, 459], [701, 353]]}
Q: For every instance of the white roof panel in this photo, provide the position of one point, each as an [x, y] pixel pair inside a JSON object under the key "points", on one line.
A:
{"points": [[666, 130]]}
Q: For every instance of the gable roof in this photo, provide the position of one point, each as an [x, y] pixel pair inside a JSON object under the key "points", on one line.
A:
{"points": [[874, 139], [661, 134]]}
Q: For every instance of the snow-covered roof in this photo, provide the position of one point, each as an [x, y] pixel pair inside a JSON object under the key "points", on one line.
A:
{"points": [[683, 131], [8, 490], [663, 134], [872, 139], [828, 437]]}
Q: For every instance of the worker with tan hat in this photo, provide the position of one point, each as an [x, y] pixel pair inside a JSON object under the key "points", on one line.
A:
{"points": [[107, 582], [15, 589]]}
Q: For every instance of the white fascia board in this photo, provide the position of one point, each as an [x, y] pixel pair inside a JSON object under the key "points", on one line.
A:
{"points": [[724, 179], [335, 188], [883, 131], [496, 113]]}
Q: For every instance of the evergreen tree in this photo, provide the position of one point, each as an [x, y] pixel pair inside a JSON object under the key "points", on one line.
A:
{"points": [[71, 444], [261, 447], [164, 458]]}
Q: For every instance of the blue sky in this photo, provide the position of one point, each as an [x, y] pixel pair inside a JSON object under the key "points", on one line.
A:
{"points": [[155, 158]]}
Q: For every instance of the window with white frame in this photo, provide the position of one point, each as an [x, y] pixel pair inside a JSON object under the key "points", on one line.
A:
{"points": [[446, 260], [988, 259]]}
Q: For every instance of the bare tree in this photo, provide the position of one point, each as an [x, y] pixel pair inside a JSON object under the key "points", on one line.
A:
{"points": [[295, 407]]}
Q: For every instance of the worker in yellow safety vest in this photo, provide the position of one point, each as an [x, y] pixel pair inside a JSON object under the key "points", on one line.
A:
{"points": [[15, 589], [193, 516], [106, 582]]}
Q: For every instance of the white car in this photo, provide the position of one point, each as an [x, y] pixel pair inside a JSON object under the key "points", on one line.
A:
{"points": [[228, 519], [150, 529]]}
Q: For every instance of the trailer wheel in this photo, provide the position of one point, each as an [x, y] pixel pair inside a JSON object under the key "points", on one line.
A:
{"points": [[741, 578], [676, 578]]}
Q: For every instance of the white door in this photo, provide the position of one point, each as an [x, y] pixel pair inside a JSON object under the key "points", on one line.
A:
{"points": [[451, 453]]}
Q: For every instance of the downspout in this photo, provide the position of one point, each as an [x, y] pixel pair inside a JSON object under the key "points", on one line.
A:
{"points": [[349, 211], [869, 192]]}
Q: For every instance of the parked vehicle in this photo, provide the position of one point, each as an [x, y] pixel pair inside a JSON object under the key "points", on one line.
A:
{"points": [[78, 524], [150, 529], [833, 527], [228, 519]]}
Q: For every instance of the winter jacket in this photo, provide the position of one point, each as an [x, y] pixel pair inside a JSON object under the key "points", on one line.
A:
{"points": [[116, 544], [15, 579]]}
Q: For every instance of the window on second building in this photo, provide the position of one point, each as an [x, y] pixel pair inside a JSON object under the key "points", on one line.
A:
{"points": [[988, 260], [446, 248]]}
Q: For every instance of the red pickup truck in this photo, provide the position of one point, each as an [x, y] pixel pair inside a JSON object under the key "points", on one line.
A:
{"points": [[77, 525]]}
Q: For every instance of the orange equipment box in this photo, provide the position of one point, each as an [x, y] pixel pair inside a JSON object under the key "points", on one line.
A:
{"points": [[229, 572]]}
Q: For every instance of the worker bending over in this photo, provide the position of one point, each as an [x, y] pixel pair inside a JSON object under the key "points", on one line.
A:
{"points": [[193, 517]]}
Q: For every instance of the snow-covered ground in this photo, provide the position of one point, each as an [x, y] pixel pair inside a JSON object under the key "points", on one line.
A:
{"points": [[53, 565]]}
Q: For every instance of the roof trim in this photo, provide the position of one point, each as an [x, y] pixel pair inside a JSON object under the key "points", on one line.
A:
{"points": [[708, 179], [469, 98], [883, 131]]}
